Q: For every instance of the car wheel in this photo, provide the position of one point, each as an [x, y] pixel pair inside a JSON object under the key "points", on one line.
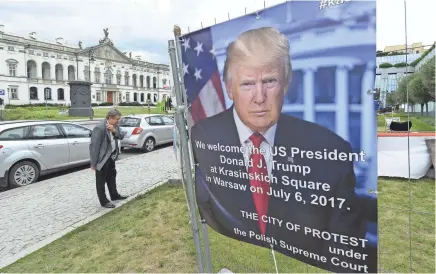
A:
{"points": [[23, 173], [148, 145]]}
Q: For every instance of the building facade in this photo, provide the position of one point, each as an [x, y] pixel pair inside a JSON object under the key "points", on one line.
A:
{"points": [[388, 77], [34, 71]]}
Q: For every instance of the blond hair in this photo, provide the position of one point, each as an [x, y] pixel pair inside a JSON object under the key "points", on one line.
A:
{"points": [[266, 43]]}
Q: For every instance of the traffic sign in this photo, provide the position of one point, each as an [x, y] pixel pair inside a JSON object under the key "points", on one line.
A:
{"points": [[2, 92]]}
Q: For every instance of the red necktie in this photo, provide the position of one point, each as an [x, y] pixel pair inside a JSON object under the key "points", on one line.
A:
{"points": [[260, 197]]}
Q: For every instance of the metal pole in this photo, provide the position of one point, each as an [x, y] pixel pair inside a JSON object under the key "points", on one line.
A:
{"points": [[206, 246], [180, 67], [186, 161]]}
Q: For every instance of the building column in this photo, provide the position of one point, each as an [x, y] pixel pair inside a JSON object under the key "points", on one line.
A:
{"points": [[309, 94], [342, 102]]}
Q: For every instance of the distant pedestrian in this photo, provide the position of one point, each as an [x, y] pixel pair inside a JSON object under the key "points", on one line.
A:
{"points": [[103, 151]]}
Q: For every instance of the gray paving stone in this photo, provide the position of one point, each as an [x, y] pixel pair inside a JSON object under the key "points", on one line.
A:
{"points": [[31, 214]]}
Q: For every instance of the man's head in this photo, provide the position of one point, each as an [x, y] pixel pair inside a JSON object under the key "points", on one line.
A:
{"points": [[257, 72], [113, 117]]}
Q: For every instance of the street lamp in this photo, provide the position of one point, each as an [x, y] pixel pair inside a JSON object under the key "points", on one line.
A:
{"points": [[90, 58]]}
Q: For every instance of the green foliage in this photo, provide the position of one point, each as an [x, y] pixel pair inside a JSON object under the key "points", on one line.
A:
{"points": [[402, 90], [393, 99], [417, 90], [427, 75], [401, 65], [414, 63], [385, 65]]}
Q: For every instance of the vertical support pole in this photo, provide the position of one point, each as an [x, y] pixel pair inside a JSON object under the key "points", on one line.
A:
{"points": [[177, 36], [206, 246], [186, 161]]}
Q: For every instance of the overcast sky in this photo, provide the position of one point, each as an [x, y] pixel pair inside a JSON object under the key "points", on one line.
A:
{"points": [[144, 26]]}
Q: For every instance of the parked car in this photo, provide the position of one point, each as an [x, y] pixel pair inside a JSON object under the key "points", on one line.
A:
{"points": [[29, 149], [146, 131]]}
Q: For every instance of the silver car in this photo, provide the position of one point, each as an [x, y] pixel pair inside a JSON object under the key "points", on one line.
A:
{"points": [[146, 131], [29, 149]]}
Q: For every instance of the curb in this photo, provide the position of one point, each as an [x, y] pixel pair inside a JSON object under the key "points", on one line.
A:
{"points": [[72, 227]]}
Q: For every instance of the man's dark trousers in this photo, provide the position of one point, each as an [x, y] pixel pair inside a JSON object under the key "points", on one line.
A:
{"points": [[107, 174]]}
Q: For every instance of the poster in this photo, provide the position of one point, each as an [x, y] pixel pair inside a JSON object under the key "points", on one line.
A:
{"points": [[283, 130]]}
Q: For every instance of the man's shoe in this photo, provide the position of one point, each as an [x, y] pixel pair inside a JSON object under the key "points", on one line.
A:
{"points": [[120, 197], [109, 205]]}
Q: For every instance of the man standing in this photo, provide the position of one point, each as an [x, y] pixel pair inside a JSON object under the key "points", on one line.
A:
{"points": [[103, 151]]}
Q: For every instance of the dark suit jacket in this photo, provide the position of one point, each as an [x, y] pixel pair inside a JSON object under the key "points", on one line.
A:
{"points": [[220, 206]]}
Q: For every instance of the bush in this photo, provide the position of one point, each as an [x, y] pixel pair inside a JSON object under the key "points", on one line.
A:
{"points": [[130, 104], [385, 65], [401, 65], [414, 63], [105, 104], [38, 105], [94, 105]]}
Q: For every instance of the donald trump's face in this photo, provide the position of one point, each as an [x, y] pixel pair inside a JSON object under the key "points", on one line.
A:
{"points": [[257, 92]]}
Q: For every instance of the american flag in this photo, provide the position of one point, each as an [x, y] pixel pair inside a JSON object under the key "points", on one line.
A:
{"points": [[201, 76]]}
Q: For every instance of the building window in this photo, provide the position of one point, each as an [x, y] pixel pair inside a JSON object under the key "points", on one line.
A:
{"points": [[46, 71], [45, 54], [126, 78], [31, 69], [118, 79], [71, 73], [59, 56], [61, 95], [154, 82], [12, 70], [148, 81], [86, 72], [12, 67], [13, 93], [33, 93], [98, 96], [127, 96], [47, 94], [31, 51], [11, 48], [108, 77], [97, 75]]}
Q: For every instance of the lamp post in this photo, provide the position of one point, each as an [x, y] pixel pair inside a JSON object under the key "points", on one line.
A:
{"points": [[90, 58]]}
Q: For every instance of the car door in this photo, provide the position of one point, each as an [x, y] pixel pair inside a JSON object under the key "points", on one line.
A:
{"points": [[48, 144], [169, 125], [78, 138], [158, 128]]}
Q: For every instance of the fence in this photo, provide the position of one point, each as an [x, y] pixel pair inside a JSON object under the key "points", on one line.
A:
{"points": [[406, 215]]}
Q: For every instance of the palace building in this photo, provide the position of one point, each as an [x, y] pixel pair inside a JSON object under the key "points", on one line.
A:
{"points": [[35, 71]]}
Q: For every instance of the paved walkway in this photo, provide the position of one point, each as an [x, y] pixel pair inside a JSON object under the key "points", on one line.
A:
{"points": [[33, 216]]}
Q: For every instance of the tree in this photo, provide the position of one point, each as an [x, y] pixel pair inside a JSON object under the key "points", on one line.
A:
{"points": [[402, 91], [418, 92], [392, 98], [427, 74]]}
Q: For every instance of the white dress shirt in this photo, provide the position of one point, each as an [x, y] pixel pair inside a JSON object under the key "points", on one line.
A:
{"points": [[244, 134]]}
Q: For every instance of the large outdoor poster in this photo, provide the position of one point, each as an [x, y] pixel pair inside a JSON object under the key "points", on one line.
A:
{"points": [[283, 130]]}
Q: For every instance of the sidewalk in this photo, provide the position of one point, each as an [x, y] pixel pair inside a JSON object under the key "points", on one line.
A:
{"points": [[33, 216]]}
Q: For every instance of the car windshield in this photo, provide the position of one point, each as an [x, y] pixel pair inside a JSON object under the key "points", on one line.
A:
{"points": [[130, 122]]}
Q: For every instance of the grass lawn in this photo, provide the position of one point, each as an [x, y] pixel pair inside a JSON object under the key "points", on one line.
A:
{"points": [[419, 123], [52, 113], [152, 234]]}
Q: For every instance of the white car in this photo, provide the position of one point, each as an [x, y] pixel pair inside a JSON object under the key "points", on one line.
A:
{"points": [[146, 131]]}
